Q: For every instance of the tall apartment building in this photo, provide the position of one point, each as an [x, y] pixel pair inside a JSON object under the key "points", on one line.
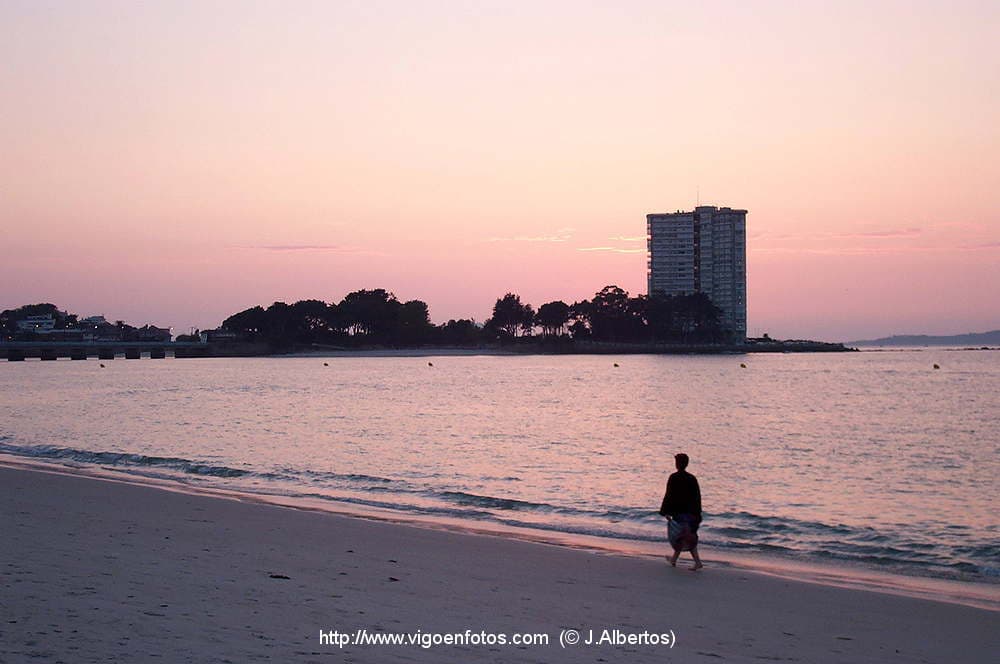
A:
{"points": [[704, 251]]}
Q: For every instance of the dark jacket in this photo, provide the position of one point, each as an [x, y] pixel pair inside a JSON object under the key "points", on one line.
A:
{"points": [[683, 496]]}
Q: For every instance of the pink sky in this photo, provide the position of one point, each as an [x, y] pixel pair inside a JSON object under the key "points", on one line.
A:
{"points": [[174, 163]]}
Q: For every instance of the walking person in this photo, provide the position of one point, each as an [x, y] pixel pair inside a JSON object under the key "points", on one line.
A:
{"points": [[682, 506]]}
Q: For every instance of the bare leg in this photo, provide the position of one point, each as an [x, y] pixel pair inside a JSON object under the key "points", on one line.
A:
{"points": [[697, 560], [673, 558]]}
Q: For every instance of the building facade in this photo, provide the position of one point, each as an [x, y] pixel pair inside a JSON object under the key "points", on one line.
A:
{"points": [[703, 251]]}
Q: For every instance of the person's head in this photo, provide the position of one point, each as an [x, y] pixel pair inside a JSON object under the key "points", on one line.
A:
{"points": [[681, 460]]}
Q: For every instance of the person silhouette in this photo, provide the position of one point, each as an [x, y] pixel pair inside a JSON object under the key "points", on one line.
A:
{"points": [[682, 507]]}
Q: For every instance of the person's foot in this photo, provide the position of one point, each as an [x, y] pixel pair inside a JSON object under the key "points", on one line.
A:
{"points": [[697, 566]]}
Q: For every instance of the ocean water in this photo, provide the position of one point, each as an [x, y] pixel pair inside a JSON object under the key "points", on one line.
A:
{"points": [[872, 459]]}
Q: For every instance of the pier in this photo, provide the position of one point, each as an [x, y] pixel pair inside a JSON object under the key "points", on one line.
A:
{"points": [[18, 351]]}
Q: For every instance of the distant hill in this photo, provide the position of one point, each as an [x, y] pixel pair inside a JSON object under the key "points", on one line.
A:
{"points": [[980, 339]]}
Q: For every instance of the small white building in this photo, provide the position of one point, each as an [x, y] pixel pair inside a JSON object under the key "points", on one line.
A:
{"points": [[40, 324]]}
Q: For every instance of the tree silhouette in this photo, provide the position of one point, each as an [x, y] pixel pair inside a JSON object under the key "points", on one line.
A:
{"points": [[413, 323], [462, 332], [369, 312], [687, 318], [511, 316], [249, 323], [609, 315], [552, 317]]}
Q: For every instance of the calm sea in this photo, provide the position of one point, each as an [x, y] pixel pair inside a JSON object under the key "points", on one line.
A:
{"points": [[873, 459]]}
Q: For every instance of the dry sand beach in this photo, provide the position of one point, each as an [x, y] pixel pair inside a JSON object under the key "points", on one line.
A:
{"points": [[97, 571]]}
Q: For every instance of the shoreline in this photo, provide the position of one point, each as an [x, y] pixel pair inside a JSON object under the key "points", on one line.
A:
{"points": [[15, 351], [968, 593], [113, 571]]}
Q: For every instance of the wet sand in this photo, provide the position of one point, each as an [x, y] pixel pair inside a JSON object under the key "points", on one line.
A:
{"points": [[94, 570]]}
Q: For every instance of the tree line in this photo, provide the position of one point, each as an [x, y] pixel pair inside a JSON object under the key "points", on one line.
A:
{"points": [[377, 317]]}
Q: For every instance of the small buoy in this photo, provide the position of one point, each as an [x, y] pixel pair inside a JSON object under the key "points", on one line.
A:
{"points": [[616, 364], [326, 364], [430, 364], [936, 366], [742, 366]]}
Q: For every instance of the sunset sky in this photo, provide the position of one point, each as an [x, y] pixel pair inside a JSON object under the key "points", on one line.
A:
{"points": [[175, 162]]}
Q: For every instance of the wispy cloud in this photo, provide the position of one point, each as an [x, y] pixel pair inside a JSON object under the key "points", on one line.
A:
{"points": [[984, 245], [970, 226], [623, 238], [615, 250], [855, 235], [300, 247], [887, 233], [827, 251], [875, 251], [561, 235], [762, 235], [328, 248]]}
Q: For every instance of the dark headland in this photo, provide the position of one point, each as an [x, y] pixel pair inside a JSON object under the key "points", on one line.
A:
{"points": [[612, 322], [979, 339]]}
